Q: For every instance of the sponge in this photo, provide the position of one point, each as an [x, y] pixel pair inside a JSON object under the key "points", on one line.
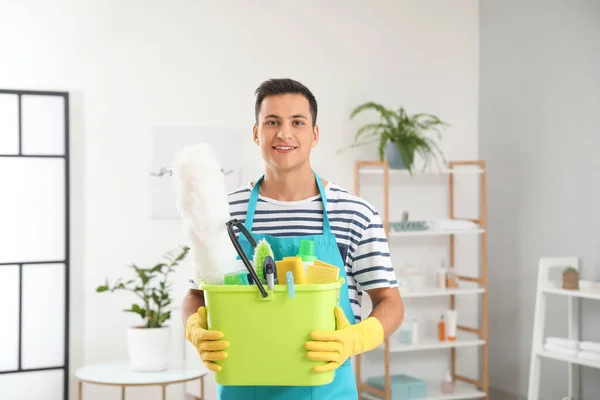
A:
{"points": [[321, 272], [261, 251]]}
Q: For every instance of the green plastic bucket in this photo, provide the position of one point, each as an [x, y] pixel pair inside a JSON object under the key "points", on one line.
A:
{"points": [[267, 335]]}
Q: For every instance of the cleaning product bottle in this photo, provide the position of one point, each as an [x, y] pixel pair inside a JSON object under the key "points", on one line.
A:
{"points": [[307, 253], [441, 277], [448, 384], [415, 331], [441, 329]]}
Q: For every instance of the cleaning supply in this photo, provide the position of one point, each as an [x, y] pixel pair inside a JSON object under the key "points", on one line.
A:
{"points": [[261, 251], [322, 273], [204, 208], [293, 265], [441, 329], [269, 271], [348, 340], [290, 284], [448, 384], [238, 247], [451, 324], [307, 253], [208, 343], [236, 278], [268, 360]]}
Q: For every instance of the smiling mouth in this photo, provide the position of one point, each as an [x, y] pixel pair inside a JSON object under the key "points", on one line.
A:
{"points": [[284, 148]]}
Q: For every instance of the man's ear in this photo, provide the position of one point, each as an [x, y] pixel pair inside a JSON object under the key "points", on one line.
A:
{"points": [[315, 135], [255, 134]]}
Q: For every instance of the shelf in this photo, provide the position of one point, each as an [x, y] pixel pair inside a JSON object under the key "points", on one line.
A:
{"points": [[444, 171], [431, 344], [573, 293], [433, 292], [571, 359], [461, 391], [393, 233]]}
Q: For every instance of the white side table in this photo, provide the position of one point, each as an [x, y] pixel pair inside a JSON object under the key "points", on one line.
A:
{"points": [[120, 374]]}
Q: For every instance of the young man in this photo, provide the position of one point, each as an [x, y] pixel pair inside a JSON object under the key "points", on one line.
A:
{"points": [[289, 203]]}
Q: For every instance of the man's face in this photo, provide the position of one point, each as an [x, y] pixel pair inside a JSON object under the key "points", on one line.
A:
{"points": [[284, 131]]}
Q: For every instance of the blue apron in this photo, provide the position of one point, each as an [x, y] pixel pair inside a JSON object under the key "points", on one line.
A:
{"points": [[343, 386]]}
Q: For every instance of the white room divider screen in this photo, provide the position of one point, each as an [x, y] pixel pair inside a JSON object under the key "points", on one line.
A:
{"points": [[34, 245]]}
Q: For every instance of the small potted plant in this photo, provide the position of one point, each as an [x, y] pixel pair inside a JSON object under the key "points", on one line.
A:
{"points": [[570, 279], [148, 343], [401, 136]]}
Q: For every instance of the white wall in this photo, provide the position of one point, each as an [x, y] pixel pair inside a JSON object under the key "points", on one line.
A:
{"points": [[540, 95], [137, 64]]}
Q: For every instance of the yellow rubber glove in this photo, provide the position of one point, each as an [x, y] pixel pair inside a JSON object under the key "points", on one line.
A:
{"points": [[347, 340], [207, 343]]}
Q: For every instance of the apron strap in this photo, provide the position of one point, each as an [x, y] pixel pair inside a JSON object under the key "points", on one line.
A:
{"points": [[252, 205], [254, 199], [326, 229]]}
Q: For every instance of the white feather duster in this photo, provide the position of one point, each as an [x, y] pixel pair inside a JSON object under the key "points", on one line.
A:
{"points": [[203, 204]]}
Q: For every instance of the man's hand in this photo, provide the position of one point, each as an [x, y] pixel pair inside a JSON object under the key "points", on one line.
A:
{"points": [[347, 340], [207, 343]]}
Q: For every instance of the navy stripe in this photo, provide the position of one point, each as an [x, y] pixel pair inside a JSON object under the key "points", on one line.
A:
{"points": [[300, 227], [355, 302], [373, 239], [345, 230], [318, 220], [289, 212], [240, 191], [351, 212], [233, 214], [371, 269], [367, 283], [339, 190], [351, 201], [348, 238], [352, 287], [372, 254], [348, 221], [371, 226], [231, 203]]}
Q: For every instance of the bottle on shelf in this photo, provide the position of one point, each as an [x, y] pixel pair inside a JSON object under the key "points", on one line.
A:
{"points": [[441, 329], [451, 279], [415, 331], [440, 278], [448, 384]]}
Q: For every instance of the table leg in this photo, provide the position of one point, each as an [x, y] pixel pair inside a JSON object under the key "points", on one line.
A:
{"points": [[123, 392], [80, 390], [164, 392], [202, 388]]}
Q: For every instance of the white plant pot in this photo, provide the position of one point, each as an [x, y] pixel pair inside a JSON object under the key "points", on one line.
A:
{"points": [[148, 348]]}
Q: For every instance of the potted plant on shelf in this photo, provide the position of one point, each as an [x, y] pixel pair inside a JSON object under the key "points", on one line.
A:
{"points": [[570, 279], [148, 343], [401, 136]]}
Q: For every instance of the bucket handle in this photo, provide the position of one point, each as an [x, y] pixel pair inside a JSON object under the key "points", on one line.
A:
{"points": [[230, 224]]}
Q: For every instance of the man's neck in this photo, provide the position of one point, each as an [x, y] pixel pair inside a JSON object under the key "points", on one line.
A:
{"points": [[294, 185]]}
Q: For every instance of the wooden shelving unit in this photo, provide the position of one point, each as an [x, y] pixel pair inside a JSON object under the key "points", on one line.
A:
{"points": [[467, 388]]}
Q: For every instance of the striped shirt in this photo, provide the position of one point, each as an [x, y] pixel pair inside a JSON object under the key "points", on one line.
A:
{"points": [[355, 223]]}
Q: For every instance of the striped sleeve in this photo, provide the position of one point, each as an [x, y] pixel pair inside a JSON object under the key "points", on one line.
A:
{"points": [[371, 262]]}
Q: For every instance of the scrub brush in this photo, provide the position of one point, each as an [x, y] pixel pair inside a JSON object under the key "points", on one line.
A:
{"points": [[261, 251], [204, 206]]}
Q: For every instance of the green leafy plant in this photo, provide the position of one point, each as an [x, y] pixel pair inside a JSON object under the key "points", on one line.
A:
{"points": [[151, 286], [405, 131], [570, 270]]}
